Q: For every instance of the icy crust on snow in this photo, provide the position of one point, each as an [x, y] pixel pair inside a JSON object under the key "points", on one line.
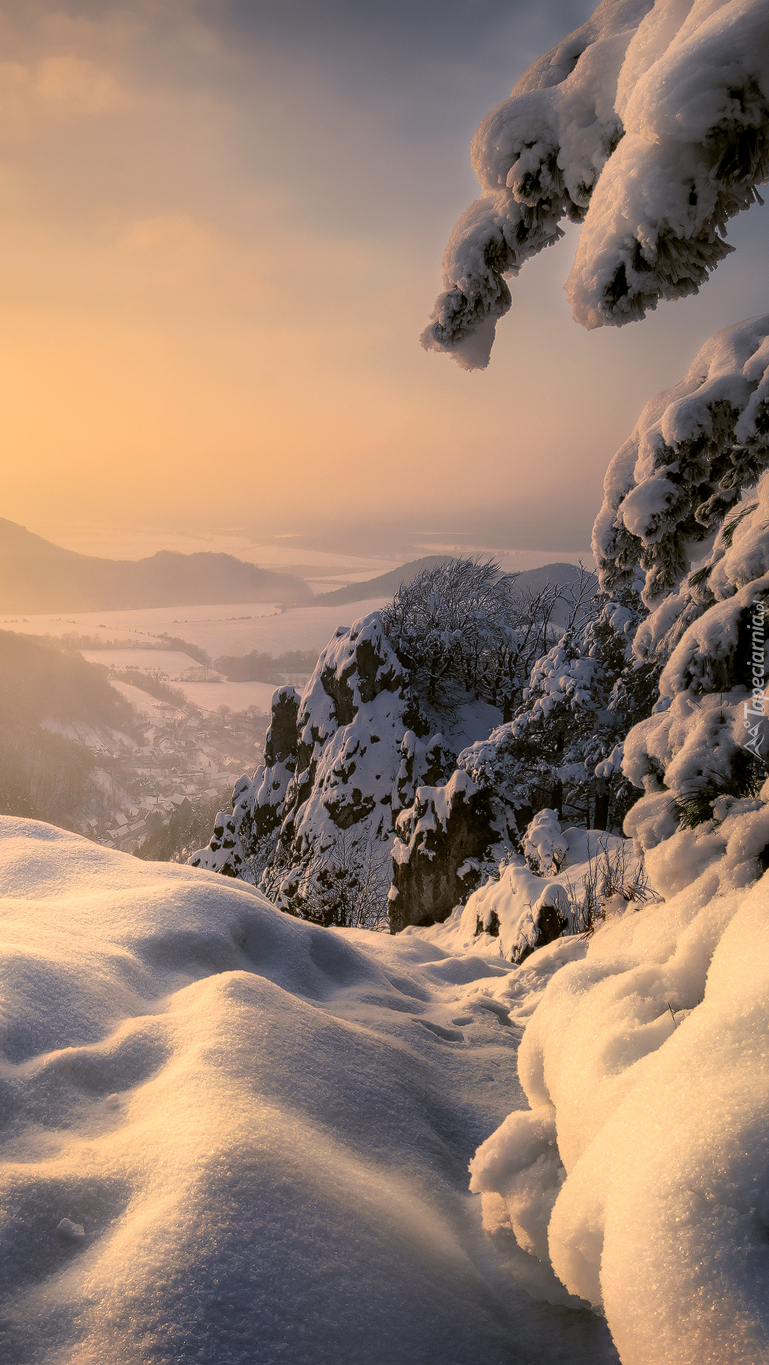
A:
{"points": [[641, 1171], [229, 1135], [651, 124]]}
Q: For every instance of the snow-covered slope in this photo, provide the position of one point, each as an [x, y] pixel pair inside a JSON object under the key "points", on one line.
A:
{"points": [[230, 1136]]}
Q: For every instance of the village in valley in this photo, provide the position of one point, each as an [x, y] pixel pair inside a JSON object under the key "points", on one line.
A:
{"points": [[182, 758]]}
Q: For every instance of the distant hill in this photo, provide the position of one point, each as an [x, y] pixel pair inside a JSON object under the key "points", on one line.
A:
{"points": [[37, 680], [37, 576], [45, 775], [386, 585], [528, 581]]}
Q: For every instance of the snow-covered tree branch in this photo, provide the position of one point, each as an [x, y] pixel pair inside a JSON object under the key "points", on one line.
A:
{"points": [[650, 126]]}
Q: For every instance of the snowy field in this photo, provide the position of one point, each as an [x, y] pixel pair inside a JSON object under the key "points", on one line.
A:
{"points": [[209, 696], [170, 662], [228, 629], [141, 701], [232, 1136]]}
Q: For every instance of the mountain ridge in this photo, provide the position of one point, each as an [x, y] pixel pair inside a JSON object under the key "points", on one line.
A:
{"points": [[38, 576], [533, 581]]}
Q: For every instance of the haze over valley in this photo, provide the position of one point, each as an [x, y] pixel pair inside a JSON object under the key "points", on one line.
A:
{"points": [[193, 680]]}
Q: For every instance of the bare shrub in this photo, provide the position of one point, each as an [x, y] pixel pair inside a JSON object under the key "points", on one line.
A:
{"points": [[612, 871], [344, 885], [466, 622]]}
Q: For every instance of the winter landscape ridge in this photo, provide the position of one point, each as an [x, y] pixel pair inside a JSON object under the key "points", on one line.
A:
{"points": [[450, 1044]]}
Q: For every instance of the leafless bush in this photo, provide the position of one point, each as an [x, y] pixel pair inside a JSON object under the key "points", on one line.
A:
{"points": [[611, 871], [465, 622], [254, 863], [344, 885]]}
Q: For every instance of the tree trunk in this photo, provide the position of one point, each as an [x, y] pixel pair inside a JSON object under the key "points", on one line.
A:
{"points": [[601, 806]]}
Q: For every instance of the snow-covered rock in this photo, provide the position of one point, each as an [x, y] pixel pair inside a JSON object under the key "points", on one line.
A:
{"points": [[442, 848], [529, 904], [333, 762], [258, 806], [341, 762]]}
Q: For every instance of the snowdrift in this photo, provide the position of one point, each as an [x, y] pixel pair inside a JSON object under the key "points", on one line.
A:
{"points": [[261, 1128], [641, 1171]]}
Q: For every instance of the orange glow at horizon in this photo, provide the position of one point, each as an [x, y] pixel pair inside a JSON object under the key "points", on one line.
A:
{"points": [[183, 332]]}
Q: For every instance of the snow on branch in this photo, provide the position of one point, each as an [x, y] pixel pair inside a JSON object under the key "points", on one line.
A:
{"points": [[649, 124], [696, 451]]}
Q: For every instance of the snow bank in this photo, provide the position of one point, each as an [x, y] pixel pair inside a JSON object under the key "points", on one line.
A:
{"points": [[261, 1127], [641, 1170], [649, 124]]}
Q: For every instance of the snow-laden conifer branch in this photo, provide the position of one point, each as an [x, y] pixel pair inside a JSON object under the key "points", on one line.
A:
{"points": [[696, 452], [649, 124]]}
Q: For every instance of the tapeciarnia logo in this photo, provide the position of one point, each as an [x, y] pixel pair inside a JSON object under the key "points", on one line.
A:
{"points": [[755, 707]]}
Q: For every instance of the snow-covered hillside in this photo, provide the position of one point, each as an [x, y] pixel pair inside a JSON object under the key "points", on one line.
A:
{"points": [[231, 1136]]}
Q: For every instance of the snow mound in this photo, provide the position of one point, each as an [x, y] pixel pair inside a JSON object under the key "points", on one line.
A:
{"points": [[261, 1128], [641, 1170], [649, 125]]}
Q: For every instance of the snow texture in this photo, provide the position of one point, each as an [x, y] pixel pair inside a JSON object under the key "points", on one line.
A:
{"points": [[650, 126], [262, 1128]]}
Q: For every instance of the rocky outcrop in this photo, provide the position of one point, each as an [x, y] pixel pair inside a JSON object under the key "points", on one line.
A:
{"points": [[340, 764], [444, 849], [258, 805]]}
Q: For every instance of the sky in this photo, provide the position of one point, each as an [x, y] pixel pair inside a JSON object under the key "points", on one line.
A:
{"points": [[221, 232]]}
